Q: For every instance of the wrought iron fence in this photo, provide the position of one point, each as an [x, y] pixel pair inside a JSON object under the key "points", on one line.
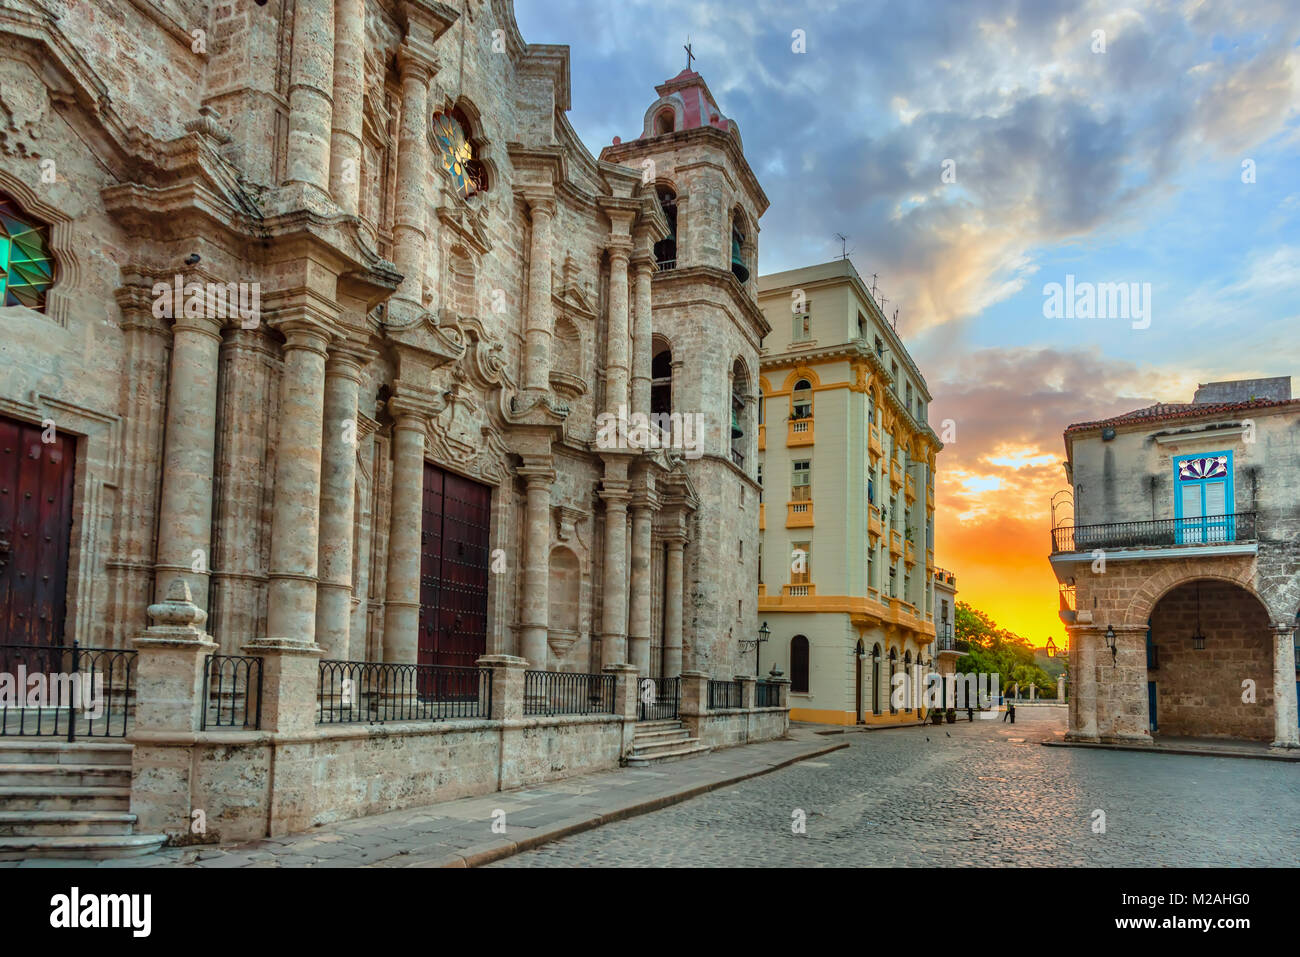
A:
{"points": [[67, 691], [232, 692], [376, 692], [725, 694], [558, 692], [767, 694], [658, 698], [1206, 530]]}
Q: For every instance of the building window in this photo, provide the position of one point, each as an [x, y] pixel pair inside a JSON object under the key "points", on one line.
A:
{"points": [[760, 483], [893, 664], [802, 401], [666, 249], [456, 153], [801, 481], [26, 263], [738, 267], [803, 324], [1203, 498], [739, 391], [801, 563], [875, 679], [799, 664], [661, 383], [893, 374], [880, 348], [665, 121]]}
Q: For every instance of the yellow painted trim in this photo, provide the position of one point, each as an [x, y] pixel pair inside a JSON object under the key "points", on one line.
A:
{"points": [[863, 612], [818, 716]]}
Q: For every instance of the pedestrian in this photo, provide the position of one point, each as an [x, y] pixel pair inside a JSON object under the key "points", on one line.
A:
{"points": [[1006, 708], [1013, 710]]}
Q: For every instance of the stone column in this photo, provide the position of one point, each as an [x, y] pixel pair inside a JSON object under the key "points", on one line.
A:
{"points": [[534, 612], [674, 601], [642, 334], [540, 327], [1084, 660], [311, 92], [130, 569], [613, 637], [1286, 734], [349, 101], [185, 508], [409, 237], [337, 501], [616, 344], [638, 626], [402, 599], [295, 521], [359, 630]]}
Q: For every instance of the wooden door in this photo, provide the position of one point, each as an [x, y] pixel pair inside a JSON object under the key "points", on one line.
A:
{"points": [[454, 560], [35, 531]]}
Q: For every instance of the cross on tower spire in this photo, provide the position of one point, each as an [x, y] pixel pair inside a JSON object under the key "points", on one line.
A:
{"points": [[689, 55]]}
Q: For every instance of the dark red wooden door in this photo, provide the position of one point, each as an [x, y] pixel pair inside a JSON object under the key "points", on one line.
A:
{"points": [[454, 558], [35, 529]]}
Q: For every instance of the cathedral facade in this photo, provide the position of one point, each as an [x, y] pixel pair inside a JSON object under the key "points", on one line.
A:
{"points": [[321, 303]]}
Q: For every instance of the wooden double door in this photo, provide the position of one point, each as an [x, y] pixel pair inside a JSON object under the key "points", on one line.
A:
{"points": [[454, 568], [36, 483]]}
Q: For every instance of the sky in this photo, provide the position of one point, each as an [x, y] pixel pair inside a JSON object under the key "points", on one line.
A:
{"points": [[976, 152]]}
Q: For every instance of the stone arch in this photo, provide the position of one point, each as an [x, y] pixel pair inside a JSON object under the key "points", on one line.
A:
{"points": [[661, 374], [1168, 577], [673, 102], [58, 240]]}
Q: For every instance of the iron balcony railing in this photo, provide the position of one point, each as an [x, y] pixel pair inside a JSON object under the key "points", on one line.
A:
{"points": [[767, 694], [232, 692], [725, 694], [376, 692], [557, 692], [657, 699], [1161, 533], [67, 691]]}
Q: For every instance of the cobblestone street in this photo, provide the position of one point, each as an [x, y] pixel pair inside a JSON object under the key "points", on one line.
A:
{"points": [[985, 794]]}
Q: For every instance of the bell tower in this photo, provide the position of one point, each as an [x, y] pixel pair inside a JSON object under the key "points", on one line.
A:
{"points": [[707, 333]]}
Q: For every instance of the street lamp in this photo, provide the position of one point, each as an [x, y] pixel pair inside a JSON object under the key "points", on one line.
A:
{"points": [[763, 634], [1110, 643], [1051, 648]]}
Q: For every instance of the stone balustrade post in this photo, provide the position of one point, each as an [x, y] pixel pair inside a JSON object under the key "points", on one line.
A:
{"points": [[693, 706], [747, 683], [507, 685], [169, 700]]}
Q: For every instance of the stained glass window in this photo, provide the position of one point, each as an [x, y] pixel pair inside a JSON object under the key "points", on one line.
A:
{"points": [[456, 154], [26, 263]]}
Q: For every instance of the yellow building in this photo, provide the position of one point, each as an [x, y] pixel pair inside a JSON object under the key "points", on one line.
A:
{"points": [[847, 463]]}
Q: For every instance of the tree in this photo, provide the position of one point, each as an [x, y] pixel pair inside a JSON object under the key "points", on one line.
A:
{"points": [[992, 649]]}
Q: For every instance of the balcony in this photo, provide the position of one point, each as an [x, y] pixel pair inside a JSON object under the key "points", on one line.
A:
{"points": [[909, 489], [895, 543], [799, 591], [762, 437], [909, 554], [799, 514], [929, 560], [799, 432], [895, 474], [873, 442], [944, 577], [929, 499], [762, 516], [1163, 533], [875, 527]]}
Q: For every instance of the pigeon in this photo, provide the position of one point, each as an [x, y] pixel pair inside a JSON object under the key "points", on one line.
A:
{"points": [[191, 259]]}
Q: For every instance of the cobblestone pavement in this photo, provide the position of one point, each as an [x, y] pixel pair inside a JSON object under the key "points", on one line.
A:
{"points": [[982, 793]]}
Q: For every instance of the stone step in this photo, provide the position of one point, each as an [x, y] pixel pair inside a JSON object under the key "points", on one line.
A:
{"points": [[64, 798], [692, 752], [65, 775], [63, 752], [658, 725], [79, 846], [656, 737], [640, 750], [64, 823]]}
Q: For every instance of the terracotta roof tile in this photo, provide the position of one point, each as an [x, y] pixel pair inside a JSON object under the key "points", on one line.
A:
{"points": [[1165, 411]]}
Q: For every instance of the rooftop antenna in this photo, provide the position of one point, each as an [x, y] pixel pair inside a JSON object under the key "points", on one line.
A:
{"points": [[689, 55], [844, 245], [874, 276]]}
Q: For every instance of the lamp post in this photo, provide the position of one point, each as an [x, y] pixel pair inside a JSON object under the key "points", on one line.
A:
{"points": [[763, 633], [1110, 643]]}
